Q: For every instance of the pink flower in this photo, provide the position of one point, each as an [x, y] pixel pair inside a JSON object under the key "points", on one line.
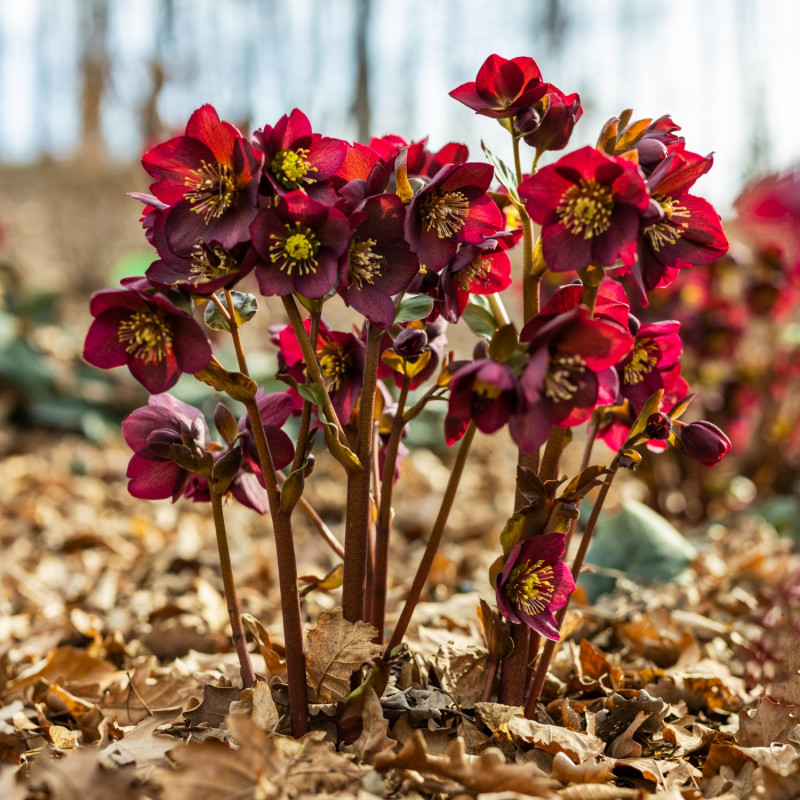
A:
{"points": [[535, 583]]}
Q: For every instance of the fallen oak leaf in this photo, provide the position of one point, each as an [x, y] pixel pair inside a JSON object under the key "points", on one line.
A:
{"points": [[336, 649], [275, 665], [257, 704], [566, 771], [374, 730], [73, 668], [487, 772], [511, 721], [214, 707], [142, 744]]}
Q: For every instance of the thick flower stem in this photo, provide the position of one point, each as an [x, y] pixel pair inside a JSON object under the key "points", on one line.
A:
{"points": [[305, 419], [356, 532], [577, 565], [231, 597], [433, 542], [284, 545], [379, 581], [531, 278], [287, 581], [515, 668]]}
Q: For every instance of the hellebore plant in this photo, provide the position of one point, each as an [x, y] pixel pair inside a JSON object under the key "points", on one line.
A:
{"points": [[413, 241]]}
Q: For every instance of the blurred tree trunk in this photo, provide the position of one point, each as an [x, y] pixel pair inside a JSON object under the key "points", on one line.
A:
{"points": [[94, 70], [361, 107], [152, 124]]}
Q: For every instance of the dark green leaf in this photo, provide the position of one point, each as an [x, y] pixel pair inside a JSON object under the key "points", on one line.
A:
{"points": [[504, 174], [413, 307]]}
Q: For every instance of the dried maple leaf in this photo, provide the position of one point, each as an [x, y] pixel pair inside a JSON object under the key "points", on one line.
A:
{"points": [[336, 649], [488, 772]]}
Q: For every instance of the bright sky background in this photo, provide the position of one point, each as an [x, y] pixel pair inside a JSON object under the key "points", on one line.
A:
{"points": [[726, 70]]}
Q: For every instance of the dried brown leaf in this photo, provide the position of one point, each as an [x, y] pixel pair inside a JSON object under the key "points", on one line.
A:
{"points": [[215, 705], [81, 776], [768, 722], [374, 730], [275, 665], [566, 771], [73, 668], [142, 745], [509, 721], [336, 649], [598, 791], [257, 704], [487, 772], [63, 738]]}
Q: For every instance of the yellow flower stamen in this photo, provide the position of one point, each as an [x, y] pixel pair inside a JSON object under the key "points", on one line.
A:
{"points": [[444, 212], [365, 263], [146, 336], [291, 168], [213, 189], [531, 586], [297, 249], [585, 209]]}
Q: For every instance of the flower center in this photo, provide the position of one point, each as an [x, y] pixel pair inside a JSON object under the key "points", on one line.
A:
{"points": [[146, 335], [644, 358], [531, 586], [444, 212], [477, 270], [558, 383], [333, 365], [365, 263], [296, 249], [210, 262], [668, 230], [214, 189], [291, 168], [585, 209]]}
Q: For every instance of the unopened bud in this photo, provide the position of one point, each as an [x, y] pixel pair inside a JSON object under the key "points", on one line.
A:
{"points": [[659, 426]]}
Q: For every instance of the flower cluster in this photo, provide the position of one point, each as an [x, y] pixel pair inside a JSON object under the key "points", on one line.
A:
{"points": [[413, 240]]}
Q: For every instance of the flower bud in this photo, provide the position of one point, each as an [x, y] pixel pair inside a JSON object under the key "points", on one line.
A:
{"points": [[704, 442], [659, 426], [410, 342]]}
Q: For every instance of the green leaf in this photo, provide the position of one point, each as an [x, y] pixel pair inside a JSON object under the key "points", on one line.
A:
{"points": [[639, 542], [650, 407], [245, 307], [504, 343], [413, 307], [479, 318], [504, 174]]}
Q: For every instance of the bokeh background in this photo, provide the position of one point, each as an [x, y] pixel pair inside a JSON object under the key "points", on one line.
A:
{"points": [[87, 85]]}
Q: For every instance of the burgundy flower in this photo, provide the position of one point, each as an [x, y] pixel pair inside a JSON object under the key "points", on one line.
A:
{"points": [[152, 432], [535, 583], [341, 361], [503, 87], [680, 230], [652, 363], [453, 208], [209, 177], [569, 372], [485, 391], [550, 128], [204, 270], [378, 262], [476, 269], [703, 442], [589, 205], [297, 158], [156, 339], [299, 241]]}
